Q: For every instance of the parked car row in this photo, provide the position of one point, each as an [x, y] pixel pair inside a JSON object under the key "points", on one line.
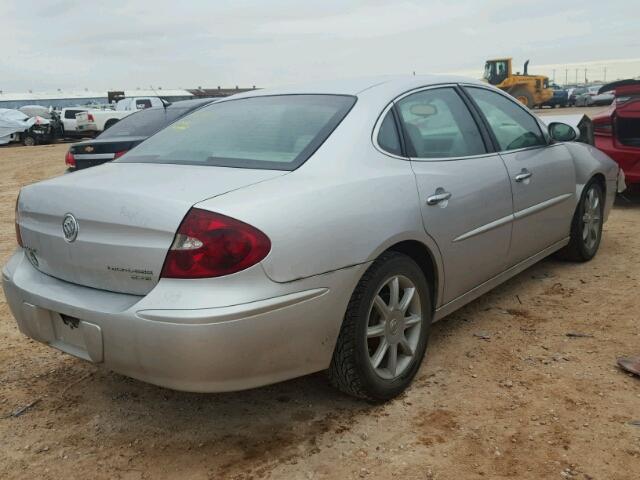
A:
{"points": [[70, 122], [591, 97], [587, 96]]}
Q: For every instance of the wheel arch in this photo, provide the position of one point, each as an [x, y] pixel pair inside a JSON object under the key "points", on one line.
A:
{"points": [[111, 122], [424, 257]]}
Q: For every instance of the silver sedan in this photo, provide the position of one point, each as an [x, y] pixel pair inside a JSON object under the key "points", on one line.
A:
{"points": [[278, 233]]}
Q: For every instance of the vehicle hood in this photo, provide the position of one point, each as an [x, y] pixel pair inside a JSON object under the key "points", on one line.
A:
{"points": [[126, 216]]}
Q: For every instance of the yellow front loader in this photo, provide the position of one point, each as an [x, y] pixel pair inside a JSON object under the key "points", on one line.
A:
{"points": [[530, 90]]}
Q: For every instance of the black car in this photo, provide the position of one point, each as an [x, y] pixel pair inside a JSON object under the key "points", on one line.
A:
{"points": [[127, 133]]}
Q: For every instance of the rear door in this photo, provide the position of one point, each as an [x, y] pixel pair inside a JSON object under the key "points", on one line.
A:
{"points": [[464, 189], [542, 175]]}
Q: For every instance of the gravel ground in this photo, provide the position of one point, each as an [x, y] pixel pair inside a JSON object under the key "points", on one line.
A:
{"points": [[503, 393]]}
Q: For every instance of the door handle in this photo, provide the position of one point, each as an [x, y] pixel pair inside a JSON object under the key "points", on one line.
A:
{"points": [[440, 196], [523, 175]]}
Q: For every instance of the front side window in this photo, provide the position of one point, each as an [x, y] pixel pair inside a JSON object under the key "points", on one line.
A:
{"points": [[512, 126], [272, 132], [438, 124]]}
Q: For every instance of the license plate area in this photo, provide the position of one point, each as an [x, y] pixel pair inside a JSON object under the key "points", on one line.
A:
{"points": [[70, 334], [67, 329]]}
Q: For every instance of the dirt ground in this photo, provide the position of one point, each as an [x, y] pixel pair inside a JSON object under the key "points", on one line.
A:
{"points": [[503, 393]]}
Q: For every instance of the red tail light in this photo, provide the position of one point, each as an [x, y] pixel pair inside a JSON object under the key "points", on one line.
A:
{"points": [[17, 218], [603, 126], [119, 154], [208, 244], [90, 117], [70, 160]]}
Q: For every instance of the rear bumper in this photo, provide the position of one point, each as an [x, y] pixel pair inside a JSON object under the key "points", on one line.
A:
{"points": [[221, 348], [87, 127]]}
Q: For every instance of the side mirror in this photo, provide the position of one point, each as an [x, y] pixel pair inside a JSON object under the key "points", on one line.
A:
{"points": [[562, 132]]}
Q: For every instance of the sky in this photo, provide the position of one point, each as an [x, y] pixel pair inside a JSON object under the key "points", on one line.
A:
{"points": [[113, 44]]}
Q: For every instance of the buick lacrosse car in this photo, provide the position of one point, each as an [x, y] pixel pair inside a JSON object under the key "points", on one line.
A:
{"points": [[278, 233]]}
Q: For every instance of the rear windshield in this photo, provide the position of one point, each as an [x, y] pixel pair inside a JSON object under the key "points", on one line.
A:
{"points": [[144, 123], [272, 132]]}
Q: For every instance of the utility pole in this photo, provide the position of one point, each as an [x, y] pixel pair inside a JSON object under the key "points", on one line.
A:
{"points": [[585, 76], [566, 76]]}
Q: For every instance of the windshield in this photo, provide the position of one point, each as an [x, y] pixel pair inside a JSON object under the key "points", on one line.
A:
{"points": [[144, 123], [272, 132]]}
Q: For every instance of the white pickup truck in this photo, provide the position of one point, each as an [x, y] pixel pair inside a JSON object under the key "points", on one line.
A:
{"points": [[96, 121]]}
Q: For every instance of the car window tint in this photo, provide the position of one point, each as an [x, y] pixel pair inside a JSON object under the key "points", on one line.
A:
{"points": [[71, 113], [438, 124], [271, 132], [388, 138], [512, 126], [143, 123]]}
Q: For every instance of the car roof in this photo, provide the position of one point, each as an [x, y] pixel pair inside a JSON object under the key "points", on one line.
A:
{"points": [[389, 84]]}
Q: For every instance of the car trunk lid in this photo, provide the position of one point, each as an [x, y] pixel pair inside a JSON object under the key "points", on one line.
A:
{"points": [[98, 151], [124, 215]]}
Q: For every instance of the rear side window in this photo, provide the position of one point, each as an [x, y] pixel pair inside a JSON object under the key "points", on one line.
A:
{"points": [[71, 114], [144, 123], [437, 124], [388, 138], [272, 132], [512, 126]]}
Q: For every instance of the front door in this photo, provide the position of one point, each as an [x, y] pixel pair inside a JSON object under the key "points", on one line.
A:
{"points": [[464, 190], [542, 176]]}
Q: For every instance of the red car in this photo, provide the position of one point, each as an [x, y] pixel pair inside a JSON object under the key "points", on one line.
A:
{"points": [[617, 131]]}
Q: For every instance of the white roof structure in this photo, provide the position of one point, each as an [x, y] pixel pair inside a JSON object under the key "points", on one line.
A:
{"points": [[160, 92], [58, 95], [81, 94]]}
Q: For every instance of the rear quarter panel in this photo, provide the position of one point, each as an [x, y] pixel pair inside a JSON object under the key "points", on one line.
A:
{"points": [[344, 206], [589, 161]]}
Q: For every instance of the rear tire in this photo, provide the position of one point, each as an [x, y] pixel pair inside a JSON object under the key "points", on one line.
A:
{"points": [[586, 226], [385, 330], [523, 96]]}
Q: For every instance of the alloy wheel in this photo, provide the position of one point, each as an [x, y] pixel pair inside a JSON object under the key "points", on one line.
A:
{"points": [[591, 218], [393, 329]]}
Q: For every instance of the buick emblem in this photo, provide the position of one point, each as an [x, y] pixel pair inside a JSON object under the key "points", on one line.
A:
{"points": [[88, 149], [70, 227]]}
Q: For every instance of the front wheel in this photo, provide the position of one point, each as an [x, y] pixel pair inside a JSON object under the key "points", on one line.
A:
{"points": [[523, 96], [29, 140], [384, 333], [586, 226]]}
